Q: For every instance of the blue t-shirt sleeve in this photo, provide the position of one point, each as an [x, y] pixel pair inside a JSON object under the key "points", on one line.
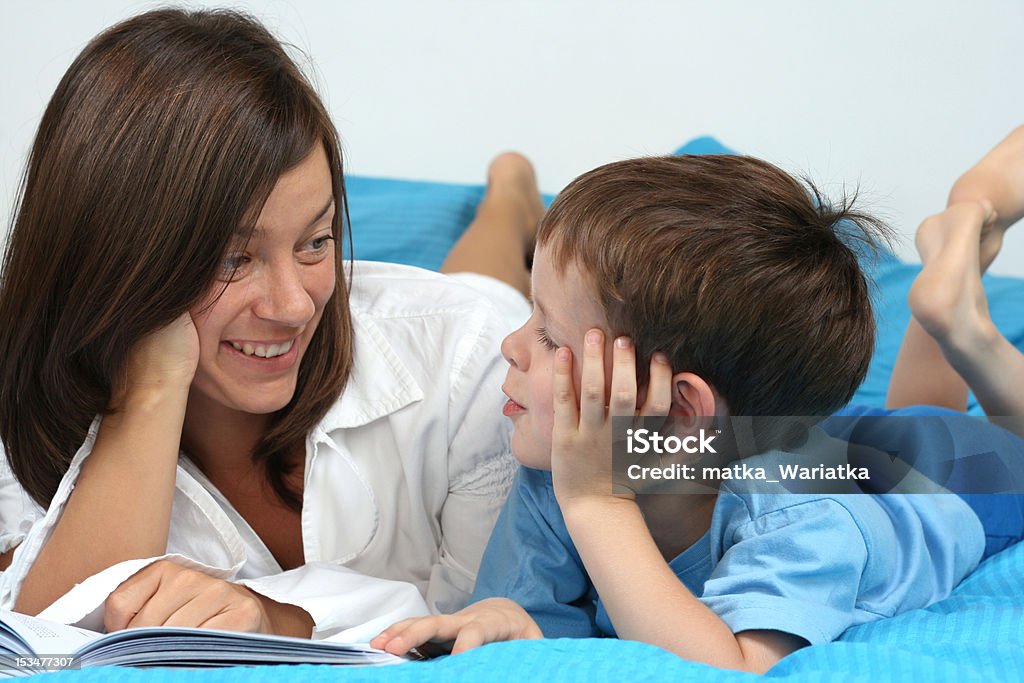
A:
{"points": [[530, 559], [795, 569]]}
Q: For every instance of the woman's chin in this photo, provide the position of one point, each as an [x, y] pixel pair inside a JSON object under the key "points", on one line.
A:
{"points": [[243, 397]]}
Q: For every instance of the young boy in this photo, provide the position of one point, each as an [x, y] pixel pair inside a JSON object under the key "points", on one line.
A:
{"points": [[739, 294]]}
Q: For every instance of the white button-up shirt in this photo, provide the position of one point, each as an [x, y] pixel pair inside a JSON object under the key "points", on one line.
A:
{"points": [[404, 476]]}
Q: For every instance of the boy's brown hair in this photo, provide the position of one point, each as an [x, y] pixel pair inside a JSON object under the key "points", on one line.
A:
{"points": [[730, 266]]}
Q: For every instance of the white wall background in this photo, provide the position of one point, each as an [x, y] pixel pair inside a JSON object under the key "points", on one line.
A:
{"points": [[896, 97]]}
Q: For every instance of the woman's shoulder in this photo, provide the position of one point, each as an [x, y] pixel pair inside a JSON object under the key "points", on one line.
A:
{"points": [[390, 290], [430, 321], [420, 333]]}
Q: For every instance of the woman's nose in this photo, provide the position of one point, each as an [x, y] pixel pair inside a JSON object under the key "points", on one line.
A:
{"points": [[284, 298]]}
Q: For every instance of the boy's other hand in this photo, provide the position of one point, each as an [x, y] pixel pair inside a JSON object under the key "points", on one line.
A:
{"points": [[487, 621]]}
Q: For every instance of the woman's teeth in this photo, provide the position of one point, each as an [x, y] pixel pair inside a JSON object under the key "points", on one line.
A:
{"points": [[264, 351]]}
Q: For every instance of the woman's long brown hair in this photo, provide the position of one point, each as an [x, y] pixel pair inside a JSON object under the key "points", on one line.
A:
{"points": [[165, 135]]}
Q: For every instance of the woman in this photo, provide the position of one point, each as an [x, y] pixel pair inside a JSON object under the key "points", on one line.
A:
{"points": [[192, 369]]}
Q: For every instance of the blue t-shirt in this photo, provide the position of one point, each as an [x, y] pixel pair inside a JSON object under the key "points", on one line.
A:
{"points": [[811, 565]]}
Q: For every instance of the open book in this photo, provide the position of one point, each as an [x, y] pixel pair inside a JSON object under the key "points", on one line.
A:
{"points": [[31, 645]]}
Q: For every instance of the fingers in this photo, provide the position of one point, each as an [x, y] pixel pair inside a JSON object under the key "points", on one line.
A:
{"points": [[593, 408], [240, 615], [165, 594], [623, 397], [195, 612], [564, 394], [399, 638], [128, 599], [389, 635], [472, 636], [659, 388], [484, 622], [592, 403], [173, 588], [218, 604]]}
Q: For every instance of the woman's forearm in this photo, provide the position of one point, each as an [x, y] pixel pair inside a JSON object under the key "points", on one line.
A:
{"points": [[120, 507]]}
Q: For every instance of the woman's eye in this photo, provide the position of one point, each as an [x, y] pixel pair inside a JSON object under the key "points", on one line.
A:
{"points": [[320, 243], [233, 266], [543, 338], [316, 249]]}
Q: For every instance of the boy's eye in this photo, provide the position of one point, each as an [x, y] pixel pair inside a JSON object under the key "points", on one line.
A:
{"points": [[543, 338]]}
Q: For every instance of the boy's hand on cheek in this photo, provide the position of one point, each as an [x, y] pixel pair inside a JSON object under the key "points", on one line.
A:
{"points": [[581, 439]]}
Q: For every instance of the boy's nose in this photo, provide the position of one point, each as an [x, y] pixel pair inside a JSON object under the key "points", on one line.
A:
{"points": [[512, 349]]}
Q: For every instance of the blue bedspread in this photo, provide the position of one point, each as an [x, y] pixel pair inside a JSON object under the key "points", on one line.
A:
{"points": [[977, 634]]}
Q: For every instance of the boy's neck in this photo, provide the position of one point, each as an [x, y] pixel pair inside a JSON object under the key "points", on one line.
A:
{"points": [[676, 521]]}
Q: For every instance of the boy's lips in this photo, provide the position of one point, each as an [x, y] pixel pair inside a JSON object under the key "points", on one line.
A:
{"points": [[512, 408]]}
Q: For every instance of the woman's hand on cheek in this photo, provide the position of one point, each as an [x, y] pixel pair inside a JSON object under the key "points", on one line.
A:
{"points": [[582, 436], [165, 359], [167, 594]]}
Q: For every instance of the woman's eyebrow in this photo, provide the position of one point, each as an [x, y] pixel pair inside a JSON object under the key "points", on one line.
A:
{"points": [[323, 212], [258, 232]]}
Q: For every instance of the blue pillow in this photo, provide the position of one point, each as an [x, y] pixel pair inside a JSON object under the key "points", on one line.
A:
{"points": [[417, 222], [410, 222], [704, 145]]}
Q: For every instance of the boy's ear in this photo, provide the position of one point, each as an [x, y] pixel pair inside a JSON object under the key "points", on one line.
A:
{"points": [[694, 402]]}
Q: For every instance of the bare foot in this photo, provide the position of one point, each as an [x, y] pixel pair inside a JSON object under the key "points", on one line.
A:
{"points": [[948, 298], [998, 178], [511, 180], [499, 242]]}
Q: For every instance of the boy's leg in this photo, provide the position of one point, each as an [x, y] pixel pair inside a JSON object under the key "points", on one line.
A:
{"points": [[500, 239]]}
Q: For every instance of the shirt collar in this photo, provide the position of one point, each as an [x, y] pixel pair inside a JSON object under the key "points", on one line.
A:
{"points": [[379, 383]]}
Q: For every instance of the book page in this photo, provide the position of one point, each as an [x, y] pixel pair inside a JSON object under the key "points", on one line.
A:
{"points": [[46, 637], [175, 646], [169, 646]]}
